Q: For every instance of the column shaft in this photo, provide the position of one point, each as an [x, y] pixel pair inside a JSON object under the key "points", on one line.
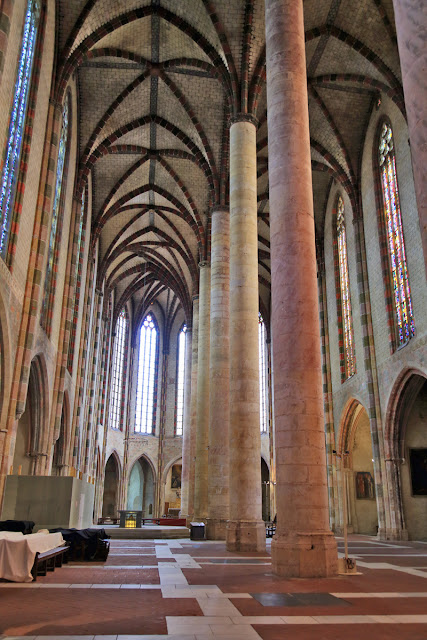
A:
{"points": [[245, 529], [303, 545], [193, 409], [410, 16], [186, 435], [202, 430], [218, 487]]}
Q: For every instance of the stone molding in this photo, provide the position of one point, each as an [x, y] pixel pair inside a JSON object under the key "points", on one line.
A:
{"points": [[243, 117]]}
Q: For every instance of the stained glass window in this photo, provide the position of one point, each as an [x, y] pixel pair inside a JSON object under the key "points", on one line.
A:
{"points": [[180, 381], [405, 325], [17, 122], [117, 371], [347, 321], [263, 386], [144, 415], [55, 210]]}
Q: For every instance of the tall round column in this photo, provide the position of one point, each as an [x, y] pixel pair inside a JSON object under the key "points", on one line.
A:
{"points": [[219, 373], [303, 545], [186, 432], [410, 17], [245, 529], [193, 411], [202, 425]]}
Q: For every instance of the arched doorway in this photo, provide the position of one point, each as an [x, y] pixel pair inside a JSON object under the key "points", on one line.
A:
{"points": [[111, 488], [29, 430], [358, 472], [141, 488], [172, 498], [265, 491], [407, 455]]}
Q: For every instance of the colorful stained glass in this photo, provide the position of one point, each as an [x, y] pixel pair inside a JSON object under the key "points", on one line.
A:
{"points": [[263, 387], [117, 371], [144, 414], [180, 382], [17, 122], [405, 324], [56, 206], [347, 320]]}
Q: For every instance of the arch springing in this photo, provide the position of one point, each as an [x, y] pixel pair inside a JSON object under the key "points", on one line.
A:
{"points": [[17, 121], [348, 367], [146, 384], [117, 372], [180, 379], [404, 319], [263, 372]]}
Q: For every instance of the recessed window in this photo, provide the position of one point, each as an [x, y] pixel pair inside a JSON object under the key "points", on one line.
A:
{"points": [[17, 122], [117, 377], [180, 379], [263, 372], [146, 385]]}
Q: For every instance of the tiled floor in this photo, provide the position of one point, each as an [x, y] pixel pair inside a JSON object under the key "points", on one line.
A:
{"points": [[198, 591]]}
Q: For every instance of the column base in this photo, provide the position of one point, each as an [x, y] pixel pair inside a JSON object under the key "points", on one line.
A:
{"points": [[216, 529], [305, 555], [392, 534], [188, 519], [245, 535]]}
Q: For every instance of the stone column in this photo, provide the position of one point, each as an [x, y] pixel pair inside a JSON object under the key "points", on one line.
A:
{"points": [[410, 16], [303, 545], [202, 426], [219, 373], [245, 529], [193, 410], [186, 434]]}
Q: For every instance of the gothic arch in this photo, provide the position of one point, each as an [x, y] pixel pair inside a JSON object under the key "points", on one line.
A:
{"points": [[405, 433], [356, 470], [30, 446], [141, 486]]}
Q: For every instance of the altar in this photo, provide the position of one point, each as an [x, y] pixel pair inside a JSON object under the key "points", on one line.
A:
{"points": [[130, 519]]}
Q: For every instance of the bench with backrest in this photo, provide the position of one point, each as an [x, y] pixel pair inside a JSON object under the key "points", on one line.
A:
{"points": [[49, 560]]}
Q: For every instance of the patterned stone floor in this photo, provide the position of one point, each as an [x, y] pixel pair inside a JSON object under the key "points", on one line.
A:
{"points": [[158, 589]]}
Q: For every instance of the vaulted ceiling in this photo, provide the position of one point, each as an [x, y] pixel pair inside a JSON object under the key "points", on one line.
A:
{"points": [[157, 83]]}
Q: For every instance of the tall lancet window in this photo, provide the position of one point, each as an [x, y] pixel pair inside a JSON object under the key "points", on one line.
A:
{"points": [[146, 385], [17, 122], [345, 321], [263, 372], [404, 319], [55, 229], [180, 379], [117, 372]]}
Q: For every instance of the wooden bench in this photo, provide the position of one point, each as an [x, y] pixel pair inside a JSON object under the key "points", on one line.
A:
{"points": [[270, 529], [48, 560]]}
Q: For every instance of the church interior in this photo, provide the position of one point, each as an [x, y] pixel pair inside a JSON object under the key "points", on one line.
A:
{"points": [[213, 310]]}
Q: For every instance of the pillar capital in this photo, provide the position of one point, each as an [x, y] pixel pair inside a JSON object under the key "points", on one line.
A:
{"points": [[220, 208], [204, 263], [243, 117]]}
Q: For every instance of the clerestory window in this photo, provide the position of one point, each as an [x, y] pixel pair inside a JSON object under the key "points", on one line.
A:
{"points": [[147, 370]]}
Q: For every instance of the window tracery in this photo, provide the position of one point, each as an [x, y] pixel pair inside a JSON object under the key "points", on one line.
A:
{"points": [[349, 365], [180, 380], [146, 383], [17, 122], [404, 319], [263, 386], [117, 372]]}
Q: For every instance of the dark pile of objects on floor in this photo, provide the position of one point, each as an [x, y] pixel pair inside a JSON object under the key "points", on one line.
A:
{"points": [[19, 526], [86, 544]]}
